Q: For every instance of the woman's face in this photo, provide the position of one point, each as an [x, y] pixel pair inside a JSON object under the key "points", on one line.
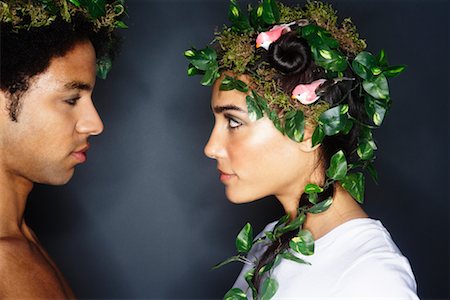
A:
{"points": [[253, 158]]}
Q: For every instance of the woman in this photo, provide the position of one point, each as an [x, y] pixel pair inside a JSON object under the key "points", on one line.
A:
{"points": [[295, 98]]}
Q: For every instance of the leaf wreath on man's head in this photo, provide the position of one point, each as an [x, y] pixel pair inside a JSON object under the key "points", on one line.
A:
{"points": [[103, 14], [337, 48]]}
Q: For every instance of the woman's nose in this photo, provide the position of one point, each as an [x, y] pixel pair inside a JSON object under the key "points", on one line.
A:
{"points": [[214, 148]]}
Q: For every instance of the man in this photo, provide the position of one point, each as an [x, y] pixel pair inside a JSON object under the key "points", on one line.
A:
{"points": [[49, 58]]}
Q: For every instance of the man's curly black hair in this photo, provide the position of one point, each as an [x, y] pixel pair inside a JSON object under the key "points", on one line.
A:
{"points": [[27, 52]]}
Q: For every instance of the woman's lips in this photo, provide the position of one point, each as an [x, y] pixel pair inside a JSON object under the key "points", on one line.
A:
{"points": [[225, 177], [80, 156]]}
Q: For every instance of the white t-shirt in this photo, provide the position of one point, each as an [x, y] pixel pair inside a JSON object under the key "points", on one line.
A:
{"points": [[356, 260]]}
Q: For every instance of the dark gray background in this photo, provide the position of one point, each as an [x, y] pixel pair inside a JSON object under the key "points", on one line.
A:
{"points": [[146, 217]]}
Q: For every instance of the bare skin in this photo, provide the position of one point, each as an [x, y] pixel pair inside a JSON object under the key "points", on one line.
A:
{"points": [[46, 143], [255, 160]]}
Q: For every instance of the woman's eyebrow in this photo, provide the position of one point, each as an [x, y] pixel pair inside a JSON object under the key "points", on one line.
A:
{"points": [[221, 109]]}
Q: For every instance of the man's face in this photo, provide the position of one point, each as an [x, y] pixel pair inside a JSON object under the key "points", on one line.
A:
{"points": [[55, 120]]}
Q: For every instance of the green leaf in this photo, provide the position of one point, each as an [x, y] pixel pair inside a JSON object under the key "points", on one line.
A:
{"points": [[393, 71], [338, 166], [203, 59], [367, 60], [249, 279], [354, 184], [313, 198], [268, 289], [232, 83], [318, 135], [361, 70], [104, 65], [227, 261], [75, 2], [376, 109], [235, 294], [96, 8], [365, 151], [271, 12], [333, 120], [121, 25], [50, 6], [210, 76], [313, 188], [293, 225], [288, 255], [321, 206], [244, 240], [329, 59], [192, 70], [239, 20], [254, 111], [273, 116], [382, 59], [378, 87], [295, 125], [303, 243], [373, 172]]}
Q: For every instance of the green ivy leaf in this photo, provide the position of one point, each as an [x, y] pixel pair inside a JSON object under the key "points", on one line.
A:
{"points": [[382, 59], [192, 70], [318, 135], [121, 25], [375, 109], [393, 71], [313, 188], [249, 279], [232, 83], [295, 125], [290, 256], [96, 8], [303, 243], [104, 65], [235, 294], [244, 240], [338, 166], [254, 111], [273, 116], [321, 206], [373, 172], [365, 151], [313, 197], [271, 12], [210, 76], [75, 2], [294, 224], [238, 19], [367, 60], [268, 289], [354, 184], [202, 59], [378, 87], [333, 120]]}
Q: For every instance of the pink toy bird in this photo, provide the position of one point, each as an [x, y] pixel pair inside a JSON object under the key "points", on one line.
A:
{"points": [[306, 93], [264, 39]]}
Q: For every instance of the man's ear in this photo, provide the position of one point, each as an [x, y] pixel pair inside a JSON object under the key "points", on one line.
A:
{"points": [[306, 144]]}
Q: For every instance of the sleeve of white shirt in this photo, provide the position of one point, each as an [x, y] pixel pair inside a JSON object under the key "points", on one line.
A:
{"points": [[378, 276]]}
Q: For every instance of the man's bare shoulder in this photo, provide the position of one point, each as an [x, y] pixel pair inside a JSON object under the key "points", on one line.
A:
{"points": [[24, 272]]}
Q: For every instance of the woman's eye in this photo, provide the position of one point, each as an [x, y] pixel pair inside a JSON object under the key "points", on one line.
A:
{"points": [[233, 124], [72, 101]]}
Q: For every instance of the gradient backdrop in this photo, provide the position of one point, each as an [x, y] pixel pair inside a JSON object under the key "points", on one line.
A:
{"points": [[146, 217]]}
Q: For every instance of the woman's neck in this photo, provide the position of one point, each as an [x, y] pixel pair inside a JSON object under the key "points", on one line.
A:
{"points": [[343, 209]]}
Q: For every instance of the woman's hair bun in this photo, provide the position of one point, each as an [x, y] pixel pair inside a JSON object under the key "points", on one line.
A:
{"points": [[290, 53]]}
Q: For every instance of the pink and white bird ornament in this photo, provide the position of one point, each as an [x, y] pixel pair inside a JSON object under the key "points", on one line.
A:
{"points": [[306, 93], [264, 39]]}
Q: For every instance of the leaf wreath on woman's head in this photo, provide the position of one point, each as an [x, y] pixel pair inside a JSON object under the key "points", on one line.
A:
{"points": [[103, 14], [336, 48]]}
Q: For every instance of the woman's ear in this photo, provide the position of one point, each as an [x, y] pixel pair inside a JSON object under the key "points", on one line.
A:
{"points": [[306, 144]]}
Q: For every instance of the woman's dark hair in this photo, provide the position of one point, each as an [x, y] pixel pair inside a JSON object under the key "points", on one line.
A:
{"points": [[25, 53], [291, 56]]}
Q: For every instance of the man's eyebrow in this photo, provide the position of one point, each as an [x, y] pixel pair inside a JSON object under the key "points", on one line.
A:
{"points": [[78, 85], [221, 109]]}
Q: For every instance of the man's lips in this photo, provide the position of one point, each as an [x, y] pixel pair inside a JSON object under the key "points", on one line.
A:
{"points": [[81, 154]]}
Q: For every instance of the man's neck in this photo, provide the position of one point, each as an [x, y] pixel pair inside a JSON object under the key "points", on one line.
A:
{"points": [[14, 191]]}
